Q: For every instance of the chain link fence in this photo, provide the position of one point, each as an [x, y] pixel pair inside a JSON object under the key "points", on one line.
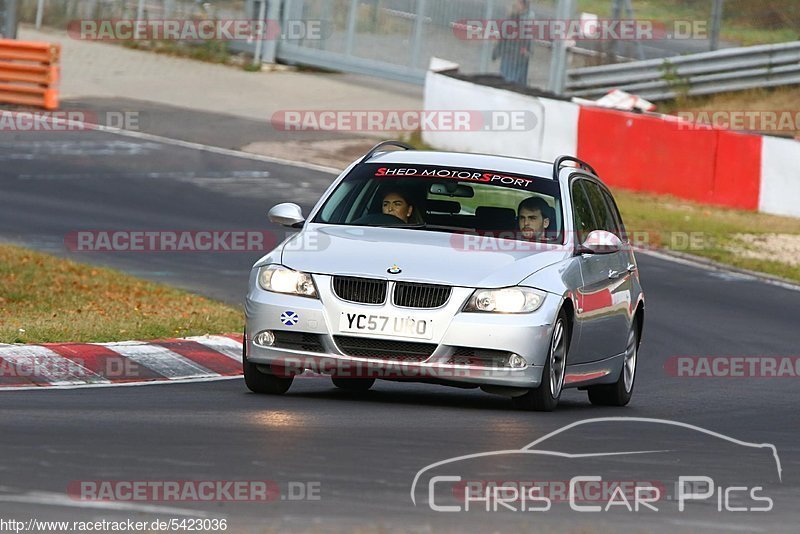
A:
{"points": [[58, 13], [408, 33], [397, 38]]}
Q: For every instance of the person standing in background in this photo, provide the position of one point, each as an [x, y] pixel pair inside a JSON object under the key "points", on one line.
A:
{"points": [[514, 55]]}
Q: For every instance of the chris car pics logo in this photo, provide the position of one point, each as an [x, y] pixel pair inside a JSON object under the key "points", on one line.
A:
{"points": [[459, 484]]}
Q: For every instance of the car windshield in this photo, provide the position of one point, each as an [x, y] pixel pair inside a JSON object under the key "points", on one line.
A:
{"points": [[447, 199]]}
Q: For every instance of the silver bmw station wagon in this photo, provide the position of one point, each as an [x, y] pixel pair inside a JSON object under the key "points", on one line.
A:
{"points": [[469, 270]]}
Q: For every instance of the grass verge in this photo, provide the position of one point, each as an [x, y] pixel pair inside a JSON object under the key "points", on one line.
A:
{"points": [[746, 22], [49, 299], [739, 238], [780, 101]]}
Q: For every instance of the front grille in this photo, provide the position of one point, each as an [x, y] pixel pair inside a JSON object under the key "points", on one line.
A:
{"points": [[298, 341], [479, 357], [384, 349], [410, 295], [361, 290]]}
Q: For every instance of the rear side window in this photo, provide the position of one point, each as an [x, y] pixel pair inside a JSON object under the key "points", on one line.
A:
{"points": [[602, 213], [584, 221], [615, 213]]}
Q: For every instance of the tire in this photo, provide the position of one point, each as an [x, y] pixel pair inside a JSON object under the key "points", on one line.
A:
{"points": [[620, 392], [545, 397], [259, 380], [353, 384]]}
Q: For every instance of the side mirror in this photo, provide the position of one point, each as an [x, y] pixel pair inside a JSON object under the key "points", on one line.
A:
{"points": [[287, 214], [600, 242]]}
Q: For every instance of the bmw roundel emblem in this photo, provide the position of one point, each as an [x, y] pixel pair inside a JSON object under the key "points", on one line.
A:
{"points": [[394, 269], [289, 318]]}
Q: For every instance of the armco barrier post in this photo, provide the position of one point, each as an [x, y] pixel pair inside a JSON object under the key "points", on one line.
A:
{"points": [[558, 63], [271, 45], [39, 13], [259, 44], [8, 19]]}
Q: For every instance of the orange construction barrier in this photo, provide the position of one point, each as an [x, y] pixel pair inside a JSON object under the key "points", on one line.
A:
{"points": [[29, 73]]}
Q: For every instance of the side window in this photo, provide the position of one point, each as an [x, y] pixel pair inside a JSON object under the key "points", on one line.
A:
{"points": [[336, 201], [602, 213], [615, 213], [360, 202], [584, 221]]}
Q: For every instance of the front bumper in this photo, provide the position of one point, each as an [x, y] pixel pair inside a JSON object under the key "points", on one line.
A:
{"points": [[527, 335]]}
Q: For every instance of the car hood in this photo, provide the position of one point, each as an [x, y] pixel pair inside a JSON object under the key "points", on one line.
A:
{"points": [[424, 256]]}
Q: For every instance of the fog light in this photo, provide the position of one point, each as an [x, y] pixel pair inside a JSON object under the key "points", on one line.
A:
{"points": [[264, 339], [516, 361]]}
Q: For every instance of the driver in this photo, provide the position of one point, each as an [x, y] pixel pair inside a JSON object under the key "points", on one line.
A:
{"points": [[395, 203], [533, 217]]}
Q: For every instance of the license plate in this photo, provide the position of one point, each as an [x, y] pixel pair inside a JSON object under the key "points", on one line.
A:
{"points": [[386, 325]]}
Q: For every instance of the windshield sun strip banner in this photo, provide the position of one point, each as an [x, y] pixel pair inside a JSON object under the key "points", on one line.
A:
{"points": [[483, 176]]}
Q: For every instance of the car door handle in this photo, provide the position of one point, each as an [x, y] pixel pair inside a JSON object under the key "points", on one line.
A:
{"points": [[613, 275]]}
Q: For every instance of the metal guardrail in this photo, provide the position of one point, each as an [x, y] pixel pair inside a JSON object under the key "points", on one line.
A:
{"points": [[731, 69]]}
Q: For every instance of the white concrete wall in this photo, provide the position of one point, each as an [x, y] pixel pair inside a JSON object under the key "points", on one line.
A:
{"points": [[780, 177], [560, 132], [552, 124]]}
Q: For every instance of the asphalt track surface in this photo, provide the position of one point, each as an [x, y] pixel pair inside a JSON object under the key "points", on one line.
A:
{"points": [[362, 452]]}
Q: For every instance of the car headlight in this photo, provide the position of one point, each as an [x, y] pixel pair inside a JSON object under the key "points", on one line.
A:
{"points": [[280, 279], [506, 300]]}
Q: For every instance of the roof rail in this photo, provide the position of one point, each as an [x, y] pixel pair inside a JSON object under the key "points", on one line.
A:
{"points": [[382, 144], [563, 159]]}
